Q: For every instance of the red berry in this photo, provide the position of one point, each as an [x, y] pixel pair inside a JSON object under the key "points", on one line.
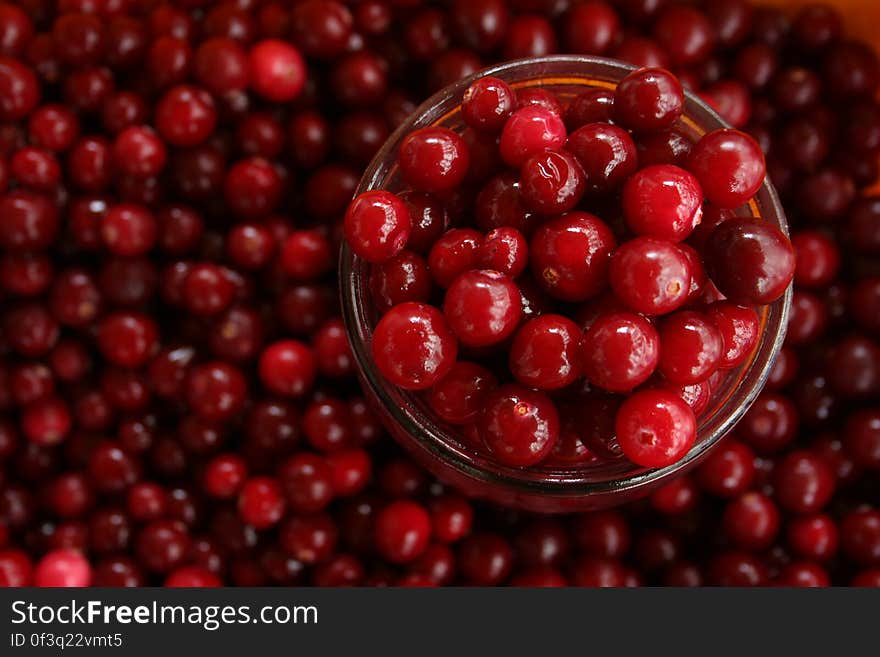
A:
{"points": [[528, 131], [619, 351], [607, 154], [414, 346], [487, 104], [739, 328], [692, 347], [261, 503], [403, 530], [655, 428], [62, 568], [544, 352], [377, 226], [287, 368], [570, 256], [460, 395], [663, 201], [648, 100], [751, 261], [551, 182], [650, 275], [482, 307], [277, 70], [729, 165], [519, 426], [433, 159]]}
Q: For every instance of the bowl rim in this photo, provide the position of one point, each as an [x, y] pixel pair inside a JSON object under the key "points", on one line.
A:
{"points": [[398, 404]]}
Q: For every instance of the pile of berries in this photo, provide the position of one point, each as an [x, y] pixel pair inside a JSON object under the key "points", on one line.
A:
{"points": [[629, 309], [177, 397]]}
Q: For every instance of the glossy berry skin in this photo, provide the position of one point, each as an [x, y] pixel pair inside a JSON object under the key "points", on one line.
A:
{"points": [[405, 277], [607, 154], [321, 28], [377, 226], [127, 339], [860, 536], [30, 223], [739, 327], [544, 352], [193, 577], [528, 131], [207, 289], [750, 261], [818, 259], [728, 471], [62, 568], [699, 279], [519, 426], [505, 250], [261, 503], [485, 559], [591, 28], [19, 90], [482, 307], [15, 568], [751, 521], [862, 438], [736, 568], [451, 518], [216, 391], [224, 476], [685, 33], [655, 428], [414, 346], [277, 70], [804, 483], [460, 396], [551, 182], [487, 104], [538, 97], [603, 533], [185, 116], [770, 424], [729, 165], [35, 168], [252, 187], [619, 351], [178, 400], [670, 146], [457, 251], [499, 204], [570, 255], [692, 347], [663, 201], [53, 127], [403, 531], [590, 106], [813, 536], [287, 368], [650, 275], [139, 152], [128, 229], [648, 100], [433, 159], [429, 219]]}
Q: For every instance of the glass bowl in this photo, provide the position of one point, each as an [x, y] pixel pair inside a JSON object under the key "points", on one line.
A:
{"points": [[551, 489]]}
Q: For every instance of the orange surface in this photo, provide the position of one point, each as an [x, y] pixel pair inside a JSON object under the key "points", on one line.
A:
{"points": [[861, 17]]}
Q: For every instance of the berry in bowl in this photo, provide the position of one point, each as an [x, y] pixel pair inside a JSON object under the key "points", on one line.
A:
{"points": [[564, 280]]}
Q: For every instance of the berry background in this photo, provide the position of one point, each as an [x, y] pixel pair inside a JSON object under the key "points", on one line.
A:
{"points": [[177, 401]]}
